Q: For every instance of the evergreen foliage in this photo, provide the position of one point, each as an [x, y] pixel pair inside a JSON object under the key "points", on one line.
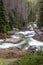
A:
{"points": [[14, 22], [40, 21], [3, 27]]}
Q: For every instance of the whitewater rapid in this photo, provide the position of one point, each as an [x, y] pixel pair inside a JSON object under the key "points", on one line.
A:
{"points": [[28, 35]]}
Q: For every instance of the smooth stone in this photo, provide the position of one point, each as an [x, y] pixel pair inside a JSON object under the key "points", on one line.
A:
{"points": [[13, 40]]}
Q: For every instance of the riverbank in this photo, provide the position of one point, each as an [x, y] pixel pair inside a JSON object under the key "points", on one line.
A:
{"points": [[11, 53]]}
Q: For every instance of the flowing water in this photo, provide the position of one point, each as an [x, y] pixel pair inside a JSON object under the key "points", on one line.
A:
{"points": [[28, 35]]}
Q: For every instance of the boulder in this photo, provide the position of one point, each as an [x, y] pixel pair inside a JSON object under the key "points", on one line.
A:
{"points": [[13, 40]]}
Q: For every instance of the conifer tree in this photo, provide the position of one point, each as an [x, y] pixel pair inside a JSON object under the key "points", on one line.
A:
{"points": [[3, 27], [40, 21]]}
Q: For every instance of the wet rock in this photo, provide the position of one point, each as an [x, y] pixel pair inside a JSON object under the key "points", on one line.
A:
{"points": [[3, 36], [20, 35], [1, 40], [13, 40], [39, 34], [10, 32]]}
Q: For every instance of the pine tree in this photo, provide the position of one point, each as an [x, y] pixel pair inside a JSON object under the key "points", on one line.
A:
{"points": [[40, 21], [2, 18]]}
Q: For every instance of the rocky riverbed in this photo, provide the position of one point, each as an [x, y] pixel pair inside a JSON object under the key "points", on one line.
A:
{"points": [[11, 53], [10, 42], [24, 40]]}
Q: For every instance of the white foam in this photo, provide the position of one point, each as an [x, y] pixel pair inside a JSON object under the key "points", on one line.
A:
{"points": [[35, 25], [26, 32], [8, 45], [13, 36], [1, 40], [33, 42], [29, 36]]}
